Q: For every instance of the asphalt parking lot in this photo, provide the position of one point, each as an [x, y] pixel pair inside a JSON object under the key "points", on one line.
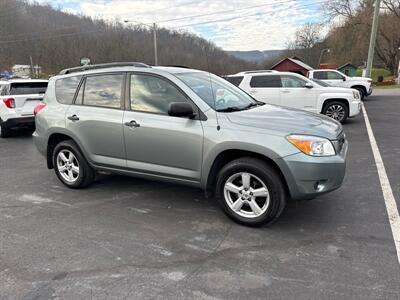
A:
{"points": [[124, 238]]}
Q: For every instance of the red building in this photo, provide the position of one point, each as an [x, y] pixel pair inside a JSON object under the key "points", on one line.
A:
{"points": [[293, 64]]}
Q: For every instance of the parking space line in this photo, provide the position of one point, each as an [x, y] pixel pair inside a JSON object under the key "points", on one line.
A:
{"points": [[390, 202]]}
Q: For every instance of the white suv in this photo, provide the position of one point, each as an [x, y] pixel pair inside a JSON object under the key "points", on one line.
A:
{"points": [[18, 99], [294, 90], [335, 78]]}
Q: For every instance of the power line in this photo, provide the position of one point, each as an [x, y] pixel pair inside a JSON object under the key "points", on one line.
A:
{"points": [[226, 11], [247, 15]]}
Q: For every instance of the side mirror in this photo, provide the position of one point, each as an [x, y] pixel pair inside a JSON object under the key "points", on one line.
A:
{"points": [[308, 85], [181, 109], [344, 78]]}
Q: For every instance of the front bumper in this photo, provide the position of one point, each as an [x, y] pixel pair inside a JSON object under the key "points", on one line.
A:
{"points": [[369, 91], [355, 108], [308, 177], [19, 122]]}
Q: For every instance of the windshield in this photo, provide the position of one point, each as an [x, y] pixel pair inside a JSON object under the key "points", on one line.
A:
{"points": [[217, 92], [320, 82]]}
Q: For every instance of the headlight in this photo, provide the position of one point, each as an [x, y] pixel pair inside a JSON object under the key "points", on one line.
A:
{"points": [[312, 145], [356, 95]]}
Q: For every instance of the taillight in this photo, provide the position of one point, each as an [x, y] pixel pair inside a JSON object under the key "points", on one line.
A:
{"points": [[9, 102], [39, 107]]}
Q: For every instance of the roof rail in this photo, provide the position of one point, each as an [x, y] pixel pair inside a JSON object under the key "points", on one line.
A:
{"points": [[261, 71], [103, 66], [176, 66]]}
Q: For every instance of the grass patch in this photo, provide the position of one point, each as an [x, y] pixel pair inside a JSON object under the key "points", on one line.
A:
{"points": [[387, 87]]}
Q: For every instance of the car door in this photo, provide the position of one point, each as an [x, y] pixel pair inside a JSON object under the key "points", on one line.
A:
{"points": [[156, 143], [294, 93], [95, 119], [335, 79], [265, 88]]}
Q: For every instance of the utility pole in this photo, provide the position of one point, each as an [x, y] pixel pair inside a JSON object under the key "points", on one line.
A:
{"points": [[155, 44], [372, 41], [154, 29]]}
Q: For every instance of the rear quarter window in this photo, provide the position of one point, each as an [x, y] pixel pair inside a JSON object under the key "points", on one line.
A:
{"points": [[235, 80], [27, 88], [267, 81], [66, 88]]}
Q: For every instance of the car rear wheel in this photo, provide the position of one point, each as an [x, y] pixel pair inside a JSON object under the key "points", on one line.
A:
{"points": [[70, 166], [337, 111], [251, 192], [5, 132]]}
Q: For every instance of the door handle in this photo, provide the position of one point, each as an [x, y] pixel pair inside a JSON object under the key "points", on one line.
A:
{"points": [[253, 92], [73, 118], [285, 91], [132, 124]]}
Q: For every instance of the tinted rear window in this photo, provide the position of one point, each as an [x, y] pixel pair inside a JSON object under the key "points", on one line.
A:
{"points": [[320, 75], [268, 81], [235, 80], [26, 88], [65, 89]]}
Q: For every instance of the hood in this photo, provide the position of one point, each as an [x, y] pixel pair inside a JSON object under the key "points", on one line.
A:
{"points": [[360, 78], [335, 89], [287, 121]]}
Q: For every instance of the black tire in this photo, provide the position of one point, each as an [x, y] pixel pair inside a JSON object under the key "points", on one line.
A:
{"points": [[86, 173], [333, 105], [269, 177], [362, 92], [5, 132]]}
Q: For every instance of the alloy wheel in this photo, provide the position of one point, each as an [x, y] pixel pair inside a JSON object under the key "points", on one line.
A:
{"points": [[67, 166], [336, 112], [246, 195]]}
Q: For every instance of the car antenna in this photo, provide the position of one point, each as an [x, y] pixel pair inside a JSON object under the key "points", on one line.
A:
{"points": [[212, 89]]}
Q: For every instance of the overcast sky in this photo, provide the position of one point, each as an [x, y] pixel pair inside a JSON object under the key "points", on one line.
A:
{"points": [[233, 24]]}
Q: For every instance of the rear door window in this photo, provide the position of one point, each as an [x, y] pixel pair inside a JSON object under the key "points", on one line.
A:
{"points": [[103, 90], [266, 81], [66, 88], [27, 88], [321, 75], [235, 80]]}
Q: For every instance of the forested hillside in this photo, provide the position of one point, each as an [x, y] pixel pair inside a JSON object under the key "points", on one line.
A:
{"points": [[57, 40]]}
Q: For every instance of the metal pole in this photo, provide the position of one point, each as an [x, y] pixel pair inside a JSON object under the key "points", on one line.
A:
{"points": [[155, 44], [32, 74], [372, 41], [320, 57]]}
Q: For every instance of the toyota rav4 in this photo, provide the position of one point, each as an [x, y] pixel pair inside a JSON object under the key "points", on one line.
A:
{"points": [[190, 127]]}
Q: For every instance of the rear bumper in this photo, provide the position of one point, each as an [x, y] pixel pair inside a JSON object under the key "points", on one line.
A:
{"points": [[19, 122], [308, 177]]}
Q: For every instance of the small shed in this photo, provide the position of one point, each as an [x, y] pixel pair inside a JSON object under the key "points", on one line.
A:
{"points": [[348, 69], [292, 64]]}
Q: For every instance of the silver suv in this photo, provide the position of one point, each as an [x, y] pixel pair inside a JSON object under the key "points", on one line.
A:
{"points": [[190, 127]]}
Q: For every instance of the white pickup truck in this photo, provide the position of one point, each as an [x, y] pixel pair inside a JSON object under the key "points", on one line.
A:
{"points": [[18, 99], [336, 78], [294, 90]]}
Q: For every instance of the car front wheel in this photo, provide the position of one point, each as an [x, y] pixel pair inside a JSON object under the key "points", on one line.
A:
{"points": [[70, 166], [251, 192], [337, 111]]}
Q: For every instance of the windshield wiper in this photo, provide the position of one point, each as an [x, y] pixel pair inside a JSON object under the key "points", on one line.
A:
{"points": [[230, 109]]}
